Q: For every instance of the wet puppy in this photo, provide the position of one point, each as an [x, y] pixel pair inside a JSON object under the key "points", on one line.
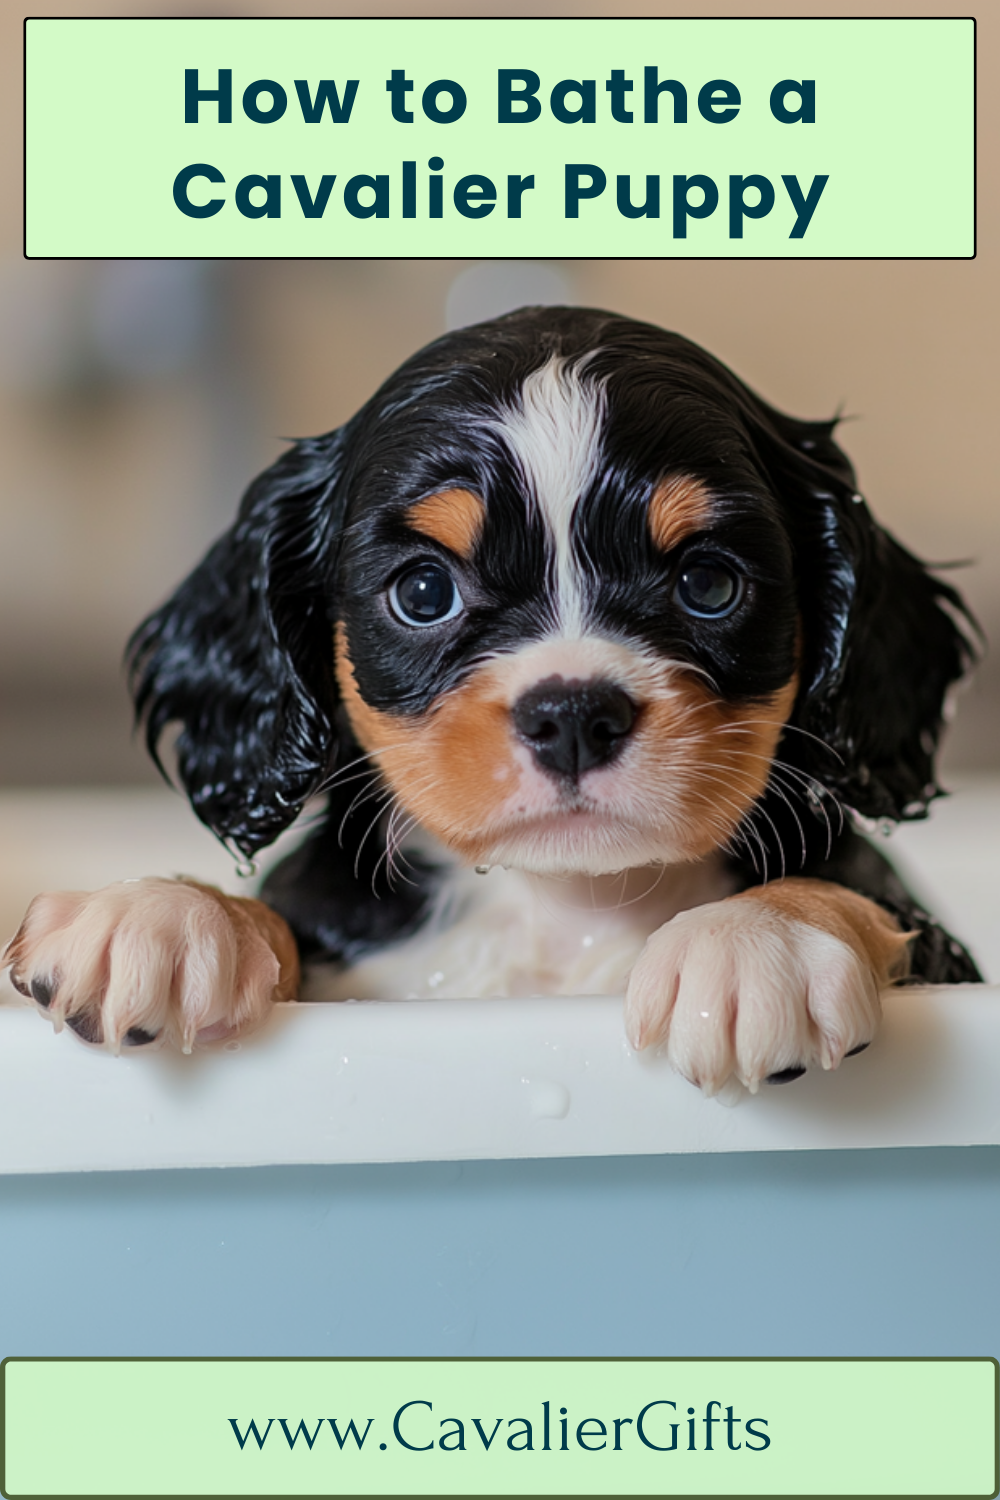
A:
{"points": [[567, 604]]}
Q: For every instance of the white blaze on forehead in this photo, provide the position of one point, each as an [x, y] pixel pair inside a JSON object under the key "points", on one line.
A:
{"points": [[554, 433]]}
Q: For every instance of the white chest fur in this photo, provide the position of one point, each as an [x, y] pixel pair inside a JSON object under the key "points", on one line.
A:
{"points": [[506, 933]]}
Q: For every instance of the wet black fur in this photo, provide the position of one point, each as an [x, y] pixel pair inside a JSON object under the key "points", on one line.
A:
{"points": [[241, 656]]}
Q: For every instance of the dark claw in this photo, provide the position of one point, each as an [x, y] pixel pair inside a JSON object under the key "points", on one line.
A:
{"points": [[88, 1028], [787, 1075], [855, 1050], [136, 1037], [43, 991]]}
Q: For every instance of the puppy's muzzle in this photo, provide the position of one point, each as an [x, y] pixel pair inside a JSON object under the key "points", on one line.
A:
{"points": [[573, 727]]}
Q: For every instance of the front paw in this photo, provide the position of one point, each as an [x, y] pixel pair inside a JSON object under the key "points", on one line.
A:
{"points": [[737, 988], [145, 960]]}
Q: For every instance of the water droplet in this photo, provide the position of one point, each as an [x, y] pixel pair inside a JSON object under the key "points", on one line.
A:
{"points": [[483, 869], [232, 1046], [731, 1094], [246, 868], [548, 1100], [433, 980], [588, 941], [858, 499]]}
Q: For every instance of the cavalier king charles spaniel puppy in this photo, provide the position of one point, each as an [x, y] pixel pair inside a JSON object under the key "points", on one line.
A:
{"points": [[588, 663]]}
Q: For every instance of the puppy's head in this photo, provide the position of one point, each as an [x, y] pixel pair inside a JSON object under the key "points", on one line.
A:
{"points": [[576, 592]]}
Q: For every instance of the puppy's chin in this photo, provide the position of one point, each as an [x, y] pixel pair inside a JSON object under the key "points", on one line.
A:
{"points": [[581, 843]]}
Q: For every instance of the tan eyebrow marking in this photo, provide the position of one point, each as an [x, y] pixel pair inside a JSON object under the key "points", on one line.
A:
{"points": [[455, 518], [680, 506]]}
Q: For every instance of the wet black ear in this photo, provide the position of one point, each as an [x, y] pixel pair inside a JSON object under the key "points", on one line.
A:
{"points": [[242, 654], [883, 637], [879, 702]]}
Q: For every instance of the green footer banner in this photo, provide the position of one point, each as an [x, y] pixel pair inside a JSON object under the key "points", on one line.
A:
{"points": [[500, 1427]]}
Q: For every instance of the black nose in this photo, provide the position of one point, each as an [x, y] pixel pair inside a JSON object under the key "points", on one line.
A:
{"points": [[571, 727]]}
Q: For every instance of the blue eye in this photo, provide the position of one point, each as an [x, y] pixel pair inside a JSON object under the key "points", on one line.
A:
{"points": [[425, 595], [708, 588]]}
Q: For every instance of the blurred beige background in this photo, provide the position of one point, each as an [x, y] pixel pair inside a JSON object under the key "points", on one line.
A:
{"points": [[137, 399]]}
